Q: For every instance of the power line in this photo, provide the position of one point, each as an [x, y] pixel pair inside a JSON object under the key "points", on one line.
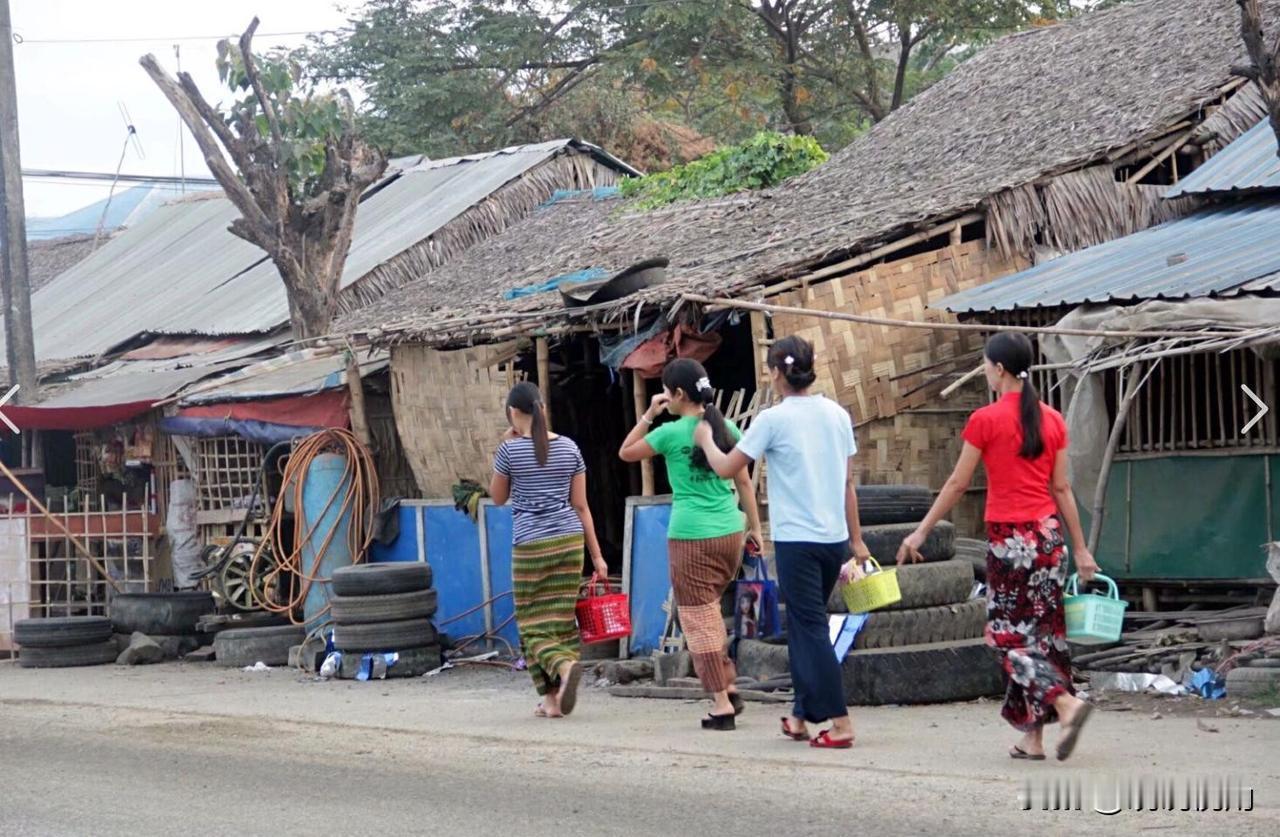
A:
{"points": [[18, 39], [60, 174]]}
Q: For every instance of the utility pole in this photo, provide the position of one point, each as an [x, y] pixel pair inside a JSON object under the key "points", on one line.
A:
{"points": [[20, 348]]}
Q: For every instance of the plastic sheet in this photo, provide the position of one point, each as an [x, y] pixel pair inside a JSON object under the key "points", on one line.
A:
{"points": [[1133, 682]]}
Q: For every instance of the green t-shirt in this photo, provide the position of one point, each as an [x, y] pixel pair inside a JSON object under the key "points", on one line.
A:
{"points": [[703, 504]]}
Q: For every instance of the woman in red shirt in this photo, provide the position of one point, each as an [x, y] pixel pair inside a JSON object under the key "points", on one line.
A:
{"points": [[1022, 443]]}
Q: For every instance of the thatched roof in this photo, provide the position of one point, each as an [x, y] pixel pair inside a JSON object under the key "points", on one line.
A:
{"points": [[1033, 105], [49, 257]]}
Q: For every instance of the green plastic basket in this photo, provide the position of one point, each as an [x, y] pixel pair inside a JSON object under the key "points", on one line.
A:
{"points": [[1093, 618]]}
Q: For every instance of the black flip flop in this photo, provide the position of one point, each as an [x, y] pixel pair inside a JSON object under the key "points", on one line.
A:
{"points": [[1071, 733], [1019, 753], [721, 723], [569, 689], [739, 705]]}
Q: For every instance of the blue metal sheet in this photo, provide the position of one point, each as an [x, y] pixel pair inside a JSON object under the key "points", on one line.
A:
{"points": [[453, 551], [1225, 251], [498, 524], [650, 578], [1248, 163]]}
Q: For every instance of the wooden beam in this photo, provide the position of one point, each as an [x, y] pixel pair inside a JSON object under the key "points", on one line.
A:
{"points": [[1160, 158], [359, 415], [641, 397], [759, 348], [544, 376]]}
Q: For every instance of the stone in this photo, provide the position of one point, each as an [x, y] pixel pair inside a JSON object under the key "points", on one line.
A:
{"points": [[1264, 663], [308, 656], [606, 671], [630, 671], [1274, 713], [203, 654], [175, 647], [667, 666], [684, 683], [142, 650]]}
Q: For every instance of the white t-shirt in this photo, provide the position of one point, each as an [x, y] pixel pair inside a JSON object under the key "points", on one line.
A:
{"points": [[808, 441]]}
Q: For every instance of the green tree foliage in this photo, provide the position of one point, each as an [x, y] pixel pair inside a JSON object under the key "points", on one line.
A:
{"points": [[442, 77], [762, 161]]}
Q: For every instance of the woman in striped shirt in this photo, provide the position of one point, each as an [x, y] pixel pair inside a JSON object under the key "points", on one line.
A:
{"points": [[545, 479]]}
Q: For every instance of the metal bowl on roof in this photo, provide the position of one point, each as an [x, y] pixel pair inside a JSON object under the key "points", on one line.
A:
{"points": [[638, 276]]}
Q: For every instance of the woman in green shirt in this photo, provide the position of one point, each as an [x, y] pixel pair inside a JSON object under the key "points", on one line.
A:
{"points": [[705, 535]]}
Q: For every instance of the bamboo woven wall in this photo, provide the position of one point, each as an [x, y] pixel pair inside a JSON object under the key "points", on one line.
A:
{"points": [[857, 363], [449, 408]]}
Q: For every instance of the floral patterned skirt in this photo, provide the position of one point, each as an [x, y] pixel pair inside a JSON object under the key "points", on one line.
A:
{"points": [[1026, 571]]}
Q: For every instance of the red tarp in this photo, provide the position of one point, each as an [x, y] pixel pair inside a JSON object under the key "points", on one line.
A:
{"points": [[73, 418], [324, 409]]}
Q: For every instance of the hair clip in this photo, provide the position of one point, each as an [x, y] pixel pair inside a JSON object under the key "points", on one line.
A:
{"points": [[703, 383], [789, 360], [1024, 374]]}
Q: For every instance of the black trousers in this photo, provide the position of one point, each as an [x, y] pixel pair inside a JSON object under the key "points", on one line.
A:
{"points": [[807, 573]]}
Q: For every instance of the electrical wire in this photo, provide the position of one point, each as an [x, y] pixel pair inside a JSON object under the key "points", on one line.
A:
{"points": [[356, 496]]}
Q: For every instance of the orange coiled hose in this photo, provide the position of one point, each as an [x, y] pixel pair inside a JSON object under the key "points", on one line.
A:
{"points": [[360, 501]]}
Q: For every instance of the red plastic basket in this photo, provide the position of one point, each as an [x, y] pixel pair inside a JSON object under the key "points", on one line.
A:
{"points": [[603, 616]]}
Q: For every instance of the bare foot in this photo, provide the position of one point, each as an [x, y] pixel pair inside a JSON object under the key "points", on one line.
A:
{"points": [[1030, 745], [549, 708], [795, 728]]}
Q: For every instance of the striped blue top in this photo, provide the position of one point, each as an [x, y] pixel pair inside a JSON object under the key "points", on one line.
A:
{"points": [[540, 493]]}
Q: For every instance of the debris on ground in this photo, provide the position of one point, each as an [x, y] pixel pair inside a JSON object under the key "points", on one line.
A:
{"points": [[142, 650], [258, 666]]}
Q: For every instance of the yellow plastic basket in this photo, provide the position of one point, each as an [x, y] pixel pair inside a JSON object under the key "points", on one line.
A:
{"points": [[873, 591]]}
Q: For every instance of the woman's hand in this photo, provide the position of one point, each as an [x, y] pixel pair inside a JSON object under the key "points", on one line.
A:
{"points": [[600, 568], [1085, 565], [702, 434], [909, 552], [755, 541], [860, 552], [656, 405]]}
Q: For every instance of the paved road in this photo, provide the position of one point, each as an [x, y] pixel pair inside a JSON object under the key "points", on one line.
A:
{"points": [[170, 750]]}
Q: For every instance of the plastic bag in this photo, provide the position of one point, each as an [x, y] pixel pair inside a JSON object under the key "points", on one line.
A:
{"points": [[1272, 623]]}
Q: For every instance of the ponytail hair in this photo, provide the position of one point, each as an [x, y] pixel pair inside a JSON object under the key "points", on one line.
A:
{"points": [[527, 398], [690, 377], [793, 356], [1014, 352]]}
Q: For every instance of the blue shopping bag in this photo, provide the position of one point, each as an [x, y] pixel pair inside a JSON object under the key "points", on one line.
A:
{"points": [[755, 601]]}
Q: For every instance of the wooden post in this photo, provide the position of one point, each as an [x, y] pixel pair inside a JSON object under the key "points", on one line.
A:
{"points": [[957, 235], [544, 376], [640, 394], [20, 350], [359, 416], [1131, 383], [759, 351]]}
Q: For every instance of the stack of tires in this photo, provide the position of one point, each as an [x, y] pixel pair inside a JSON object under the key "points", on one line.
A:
{"points": [[64, 642], [379, 608], [926, 648]]}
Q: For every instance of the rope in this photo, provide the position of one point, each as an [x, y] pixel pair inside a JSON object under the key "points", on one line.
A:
{"points": [[358, 503]]}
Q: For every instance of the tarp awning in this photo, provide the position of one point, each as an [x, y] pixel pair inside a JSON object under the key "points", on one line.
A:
{"points": [[267, 421]]}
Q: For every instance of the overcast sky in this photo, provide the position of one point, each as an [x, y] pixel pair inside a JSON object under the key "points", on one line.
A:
{"points": [[70, 91]]}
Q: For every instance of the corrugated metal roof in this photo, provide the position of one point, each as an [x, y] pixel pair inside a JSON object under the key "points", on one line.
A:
{"points": [[1231, 250], [179, 271], [304, 377], [423, 199], [1246, 164]]}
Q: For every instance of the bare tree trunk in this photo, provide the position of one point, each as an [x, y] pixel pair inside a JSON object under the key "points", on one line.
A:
{"points": [[1264, 70], [904, 61], [20, 346]]}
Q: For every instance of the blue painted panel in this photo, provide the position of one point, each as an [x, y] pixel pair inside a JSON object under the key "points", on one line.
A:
{"points": [[453, 551], [498, 524], [327, 481], [405, 546], [650, 578]]}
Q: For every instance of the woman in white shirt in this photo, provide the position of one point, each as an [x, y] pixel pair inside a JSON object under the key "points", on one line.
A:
{"points": [[813, 517]]}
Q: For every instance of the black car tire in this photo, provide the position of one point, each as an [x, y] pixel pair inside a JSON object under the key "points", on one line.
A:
{"points": [[392, 607], [381, 579], [160, 613], [97, 654], [879, 504], [385, 636], [61, 631]]}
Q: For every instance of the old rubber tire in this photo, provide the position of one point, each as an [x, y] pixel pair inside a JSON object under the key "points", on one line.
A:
{"points": [[381, 579], [936, 673], [385, 636], [160, 613], [948, 623], [884, 540], [240, 647], [1253, 682], [879, 504], [62, 631], [974, 552], [924, 585], [97, 654], [394, 607]]}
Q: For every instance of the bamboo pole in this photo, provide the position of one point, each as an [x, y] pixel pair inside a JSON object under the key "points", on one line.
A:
{"points": [[359, 415], [640, 396], [56, 522], [544, 376], [1133, 381]]}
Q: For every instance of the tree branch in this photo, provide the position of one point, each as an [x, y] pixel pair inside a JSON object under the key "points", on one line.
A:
{"points": [[255, 79], [236, 190]]}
